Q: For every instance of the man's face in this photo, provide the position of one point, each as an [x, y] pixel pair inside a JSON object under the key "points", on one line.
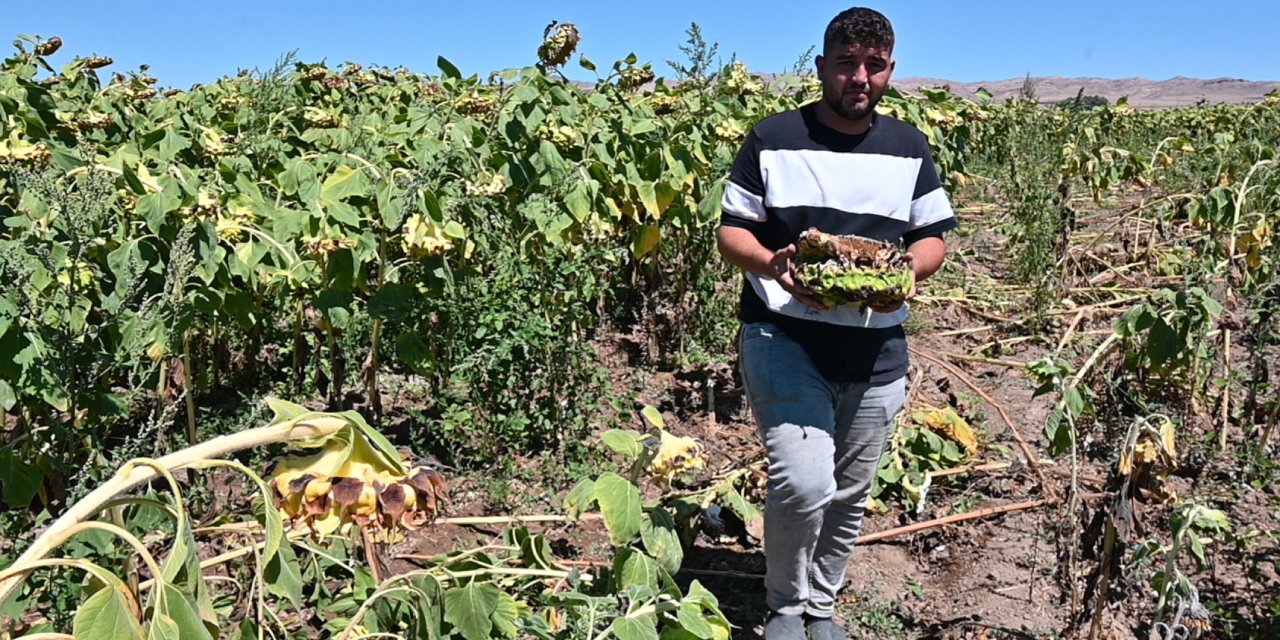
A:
{"points": [[854, 78]]}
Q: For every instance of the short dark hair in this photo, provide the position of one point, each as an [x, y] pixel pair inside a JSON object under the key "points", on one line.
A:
{"points": [[859, 25]]}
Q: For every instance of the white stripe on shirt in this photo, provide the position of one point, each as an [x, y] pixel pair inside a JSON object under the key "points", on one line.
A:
{"points": [[851, 182]]}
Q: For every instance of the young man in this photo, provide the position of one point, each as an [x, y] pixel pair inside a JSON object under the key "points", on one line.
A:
{"points": [[825, 383]]}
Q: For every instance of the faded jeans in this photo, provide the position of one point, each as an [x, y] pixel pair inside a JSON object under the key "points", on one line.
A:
{"points": [[824, 441]]}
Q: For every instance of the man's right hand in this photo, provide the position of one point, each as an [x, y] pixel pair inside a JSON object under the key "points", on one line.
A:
{"points": [[742, 249], [783, 271]]}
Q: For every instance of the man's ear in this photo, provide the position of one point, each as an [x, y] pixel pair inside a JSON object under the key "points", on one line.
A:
{"points": [[818, 62]]}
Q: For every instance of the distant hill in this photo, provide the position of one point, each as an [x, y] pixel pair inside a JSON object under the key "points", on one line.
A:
{"points": [[1174, 92]]}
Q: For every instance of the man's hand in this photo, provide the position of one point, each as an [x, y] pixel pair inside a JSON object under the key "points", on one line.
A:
{"points": [[911, 292], [925, 257], [784, 272], [742, 249]]}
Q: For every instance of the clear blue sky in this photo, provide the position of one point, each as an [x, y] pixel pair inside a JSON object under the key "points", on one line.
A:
{"points": [[188, 41]]}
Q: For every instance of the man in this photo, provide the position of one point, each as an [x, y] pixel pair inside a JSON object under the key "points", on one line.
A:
{"points": [[825, 383]]}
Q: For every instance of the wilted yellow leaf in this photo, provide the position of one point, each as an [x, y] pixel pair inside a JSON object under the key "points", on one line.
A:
{"points": [[947, 423]]}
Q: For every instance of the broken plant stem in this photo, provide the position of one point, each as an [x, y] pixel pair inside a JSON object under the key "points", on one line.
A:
{"points": [[962, 517], [1033, 460], [133, 474], [70, 532], [984, 360], [1071, 330], [371, 556], [481, 520], [1094, 357]]}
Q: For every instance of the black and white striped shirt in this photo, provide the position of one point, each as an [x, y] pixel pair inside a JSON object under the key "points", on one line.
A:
{"points": [[794, 172]]}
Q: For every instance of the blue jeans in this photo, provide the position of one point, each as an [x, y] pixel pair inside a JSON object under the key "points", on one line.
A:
{"points": [[824, 441]]}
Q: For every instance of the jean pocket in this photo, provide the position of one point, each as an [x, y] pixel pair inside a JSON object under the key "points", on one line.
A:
{"points": [[757, 331]]}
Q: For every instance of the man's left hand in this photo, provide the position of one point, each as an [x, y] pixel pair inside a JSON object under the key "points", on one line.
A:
{"points": [[911, 291]]}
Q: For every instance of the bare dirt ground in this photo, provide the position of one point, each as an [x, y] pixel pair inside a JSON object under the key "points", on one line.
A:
{"points": [[1005, 576]]}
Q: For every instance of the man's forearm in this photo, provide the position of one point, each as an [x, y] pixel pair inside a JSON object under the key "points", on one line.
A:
{"points": [[926, 256], [742, 249]]}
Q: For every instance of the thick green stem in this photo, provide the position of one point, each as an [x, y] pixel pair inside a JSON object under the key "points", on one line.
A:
{"points": [[299, 318], [372, 395], [214, 374]]}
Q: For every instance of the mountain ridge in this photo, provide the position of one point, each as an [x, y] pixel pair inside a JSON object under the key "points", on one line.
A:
{"points": [[1178, 91]]}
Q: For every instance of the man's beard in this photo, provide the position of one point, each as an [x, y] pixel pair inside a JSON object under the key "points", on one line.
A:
{"points": [[849, 112]]}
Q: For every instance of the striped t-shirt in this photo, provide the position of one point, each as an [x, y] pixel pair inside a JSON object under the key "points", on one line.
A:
{"points": [[794, 172]]}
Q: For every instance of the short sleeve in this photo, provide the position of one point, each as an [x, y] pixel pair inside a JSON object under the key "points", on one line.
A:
{"points": [[743, 202], [931, 212]]}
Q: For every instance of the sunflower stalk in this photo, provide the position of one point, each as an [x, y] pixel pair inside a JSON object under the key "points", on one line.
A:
{"points": [[132, 475]]}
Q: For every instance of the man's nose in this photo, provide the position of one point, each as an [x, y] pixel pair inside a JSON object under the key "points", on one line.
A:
{"points": [[859, 75]]}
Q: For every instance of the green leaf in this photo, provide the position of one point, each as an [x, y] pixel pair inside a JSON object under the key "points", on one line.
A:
{"points": [[643, 126], [580, 497], [635, 569], [653, 416], [19, 480], [163, 628], [535, 550], [470, 609], [1163, 344], [284, 577], [1075, 401], [343, 183], [702, 596], [414, 353], [578, 201], [619, 501], [624, 442], [8, 313], [107, 615], [658, 532], [649, 198], [504, 616], [690, 617], [333, 305], [8, 398], [394, 302], [455, 230], [285, 411], [709, 205], [447, 68], [153, 208], [182, 620], [342, 212], [647, 237], [642, 627], [739, 505], [1210, 519], [299, 178]]}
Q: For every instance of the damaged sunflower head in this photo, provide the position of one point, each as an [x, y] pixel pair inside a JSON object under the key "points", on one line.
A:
{"points": [[1149, 455], [852, 269], [355, 477], [674, 455], [669, 455], [947, 423], [558, 43]]}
